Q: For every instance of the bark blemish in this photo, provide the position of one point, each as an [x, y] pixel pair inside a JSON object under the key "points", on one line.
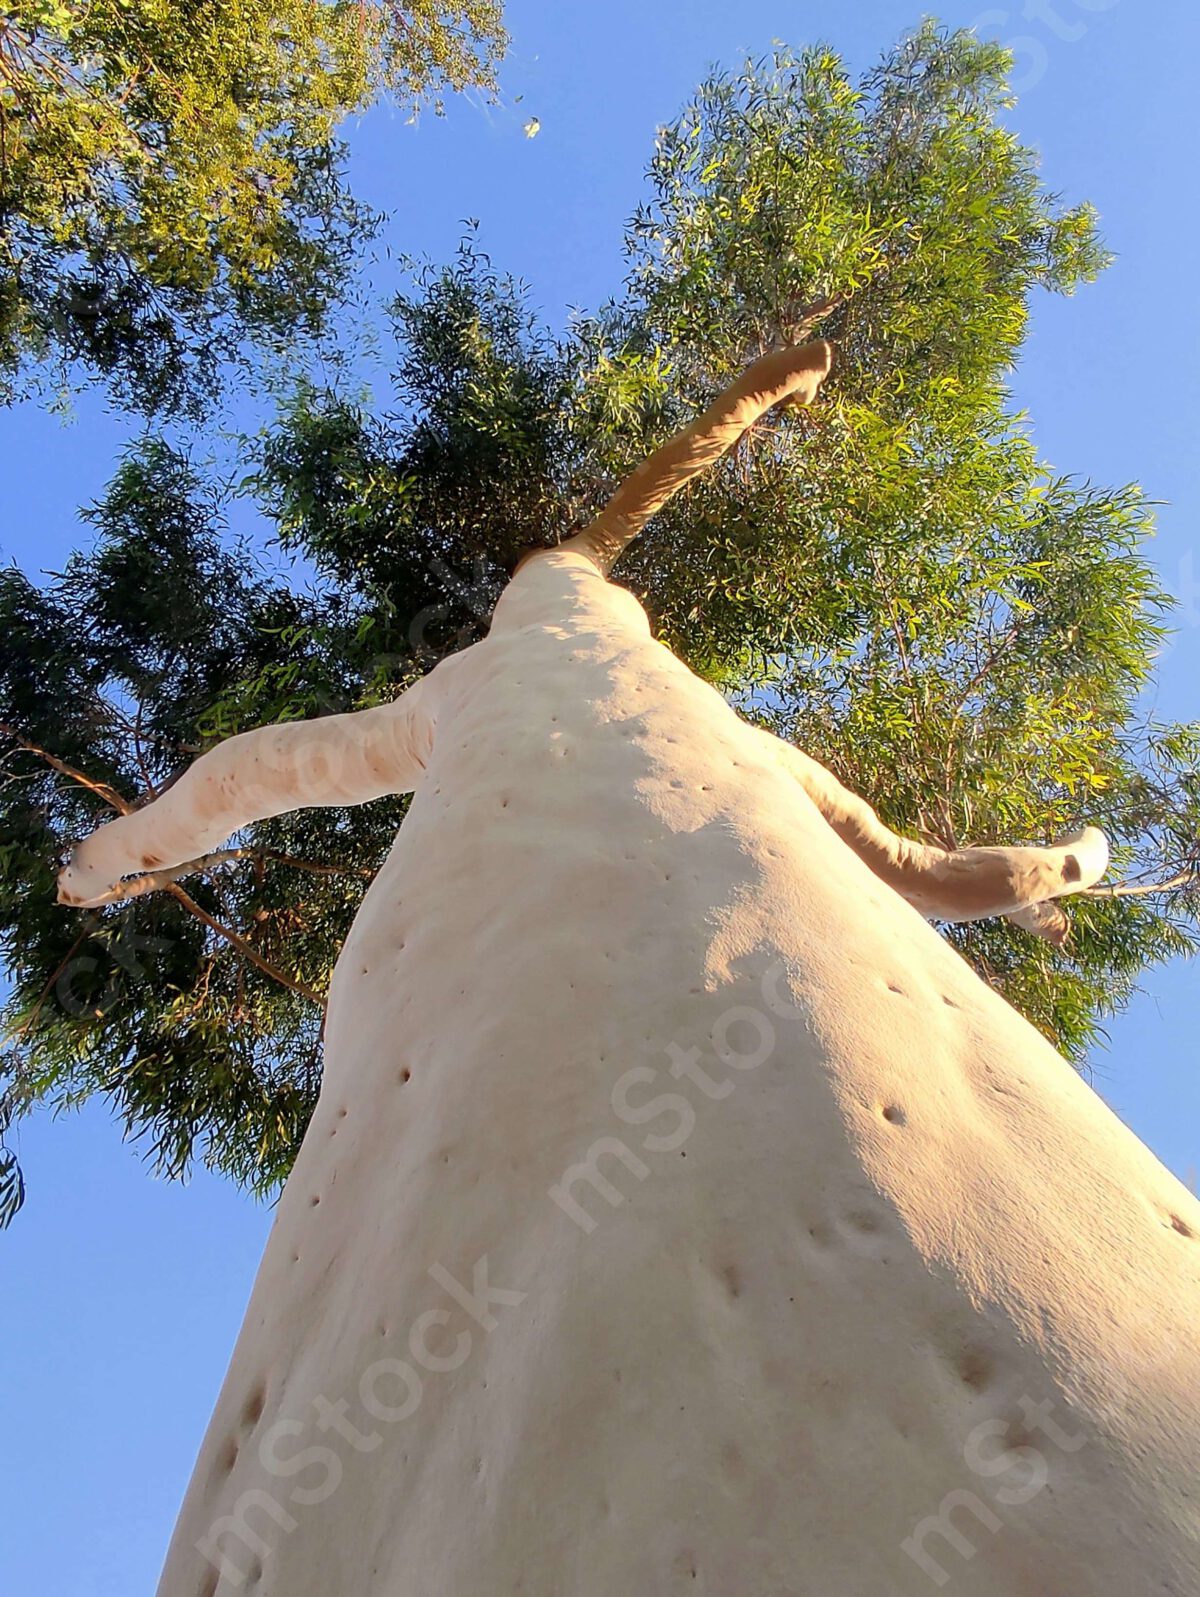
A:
{"points": [[892, 1112], [252, 1409], [863, 1220], [975, 1369], [1180, 1225]]}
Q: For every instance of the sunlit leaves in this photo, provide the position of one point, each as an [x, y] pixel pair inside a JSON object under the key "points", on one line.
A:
{"points": [[170, 177], [899, 196]]}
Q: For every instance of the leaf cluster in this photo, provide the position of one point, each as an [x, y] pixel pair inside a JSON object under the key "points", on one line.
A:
{"points": [[171, 181]]}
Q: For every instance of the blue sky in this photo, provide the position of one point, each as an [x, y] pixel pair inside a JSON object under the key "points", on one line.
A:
{"points": [[124, 1293]]}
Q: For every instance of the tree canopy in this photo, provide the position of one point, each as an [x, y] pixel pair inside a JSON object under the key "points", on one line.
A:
{"points": [[893, 579], [171, 183]]}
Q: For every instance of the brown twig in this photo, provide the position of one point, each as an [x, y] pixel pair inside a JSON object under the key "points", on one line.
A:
{"points": [[107, 793], [243, 947], [45, 992], [156, 881]]}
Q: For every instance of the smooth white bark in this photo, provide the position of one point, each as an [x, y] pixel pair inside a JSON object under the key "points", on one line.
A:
{"points": [[680, 1213]]}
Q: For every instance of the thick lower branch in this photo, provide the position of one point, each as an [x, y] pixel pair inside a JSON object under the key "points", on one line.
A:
{"points": [[962, 884], [166, 880]]}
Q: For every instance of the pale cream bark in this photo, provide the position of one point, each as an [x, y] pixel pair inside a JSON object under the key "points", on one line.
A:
{"points": [[962, 884], [680, 1213], [335, 759]]}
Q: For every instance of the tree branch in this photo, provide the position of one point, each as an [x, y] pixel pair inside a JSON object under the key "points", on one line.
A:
{"points": [[27, 1025], [166, 880], [242, 946], [107, 793], [1189, 877], [792, 372], [156, 881]]}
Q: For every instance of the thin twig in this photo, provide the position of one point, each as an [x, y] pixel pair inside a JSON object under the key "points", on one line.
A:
{"points": [[156, 881], [45, 992], [139, 753], [1185, 878], [107, 793], [242, 946]]}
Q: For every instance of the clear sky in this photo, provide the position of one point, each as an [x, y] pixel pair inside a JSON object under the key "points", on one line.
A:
{"points": [[123, 1294]]}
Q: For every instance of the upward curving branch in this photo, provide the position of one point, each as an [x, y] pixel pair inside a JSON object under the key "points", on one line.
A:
{"points": [[962, 884], [794, 374]]}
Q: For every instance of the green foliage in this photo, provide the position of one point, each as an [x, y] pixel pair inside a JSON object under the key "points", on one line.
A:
{"points": [[900, 195], [170, 178], [119, 669], [894, 579]]}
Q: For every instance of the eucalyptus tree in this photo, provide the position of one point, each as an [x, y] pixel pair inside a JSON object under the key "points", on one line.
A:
{"points": [[873, 1206], [892, 578]]}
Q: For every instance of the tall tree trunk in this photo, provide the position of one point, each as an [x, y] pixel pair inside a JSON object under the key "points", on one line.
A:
{"points": [[680, 1213]]}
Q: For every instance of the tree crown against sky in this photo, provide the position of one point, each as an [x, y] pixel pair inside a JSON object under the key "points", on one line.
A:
{"points": [[171, 181], [893, 579]]}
